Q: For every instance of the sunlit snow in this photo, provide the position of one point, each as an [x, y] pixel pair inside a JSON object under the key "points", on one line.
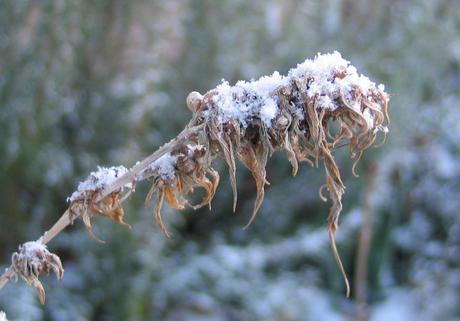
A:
{"points": [[246, 100], [101, 178]]}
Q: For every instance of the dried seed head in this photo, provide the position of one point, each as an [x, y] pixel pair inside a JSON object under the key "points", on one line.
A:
{"points": [[207, 99], [181, 149], [32, 259], [286, 91], [185, 164], [282, 121], [194, 100]]}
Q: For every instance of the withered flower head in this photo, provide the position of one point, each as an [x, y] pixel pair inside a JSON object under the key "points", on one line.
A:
{"points": [[86, 198], [177, 173], [32, 259], [252, 120]]}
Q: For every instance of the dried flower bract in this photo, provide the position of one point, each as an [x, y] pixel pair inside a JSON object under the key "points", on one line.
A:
{"points": [[177, 173], [32, 259], [87, 198]]}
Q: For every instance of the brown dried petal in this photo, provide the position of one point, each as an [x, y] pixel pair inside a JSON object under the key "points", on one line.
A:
{"points": [[107, 206], [158, 203]]}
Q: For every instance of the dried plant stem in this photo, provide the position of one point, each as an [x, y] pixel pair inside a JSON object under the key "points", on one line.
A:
{"points": [[7, 276], [249, 121], [55, 230], [130, 176], [75, 212], [364, 245]]}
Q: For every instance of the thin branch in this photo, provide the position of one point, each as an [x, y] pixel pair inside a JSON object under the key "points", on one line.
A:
{"points": [[130, 176]]}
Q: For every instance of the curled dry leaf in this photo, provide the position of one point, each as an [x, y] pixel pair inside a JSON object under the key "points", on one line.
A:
{"points": [[32, 259]]}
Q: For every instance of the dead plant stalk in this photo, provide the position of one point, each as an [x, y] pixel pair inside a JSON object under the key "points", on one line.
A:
{"points": [[248, 121]]}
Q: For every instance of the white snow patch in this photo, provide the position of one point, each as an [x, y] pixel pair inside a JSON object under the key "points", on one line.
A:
{"points": [[269, 111], [369, 118], [32, 251], [247, 100], [100, 179], [3, 316], [164, 166], [192, 149]]}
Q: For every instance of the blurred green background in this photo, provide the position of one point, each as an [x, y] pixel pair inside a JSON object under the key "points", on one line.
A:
{"points": [[87, 83]]}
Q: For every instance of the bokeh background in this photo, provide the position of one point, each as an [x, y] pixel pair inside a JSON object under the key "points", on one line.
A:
{"points": [[87, 83]]}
